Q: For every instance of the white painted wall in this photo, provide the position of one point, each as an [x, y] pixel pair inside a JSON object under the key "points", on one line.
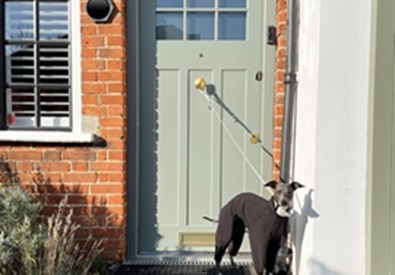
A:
{"points": [[331, 137]]}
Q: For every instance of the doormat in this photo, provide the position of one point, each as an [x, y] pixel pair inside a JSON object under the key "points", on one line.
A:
{"points": [[183, 269]]}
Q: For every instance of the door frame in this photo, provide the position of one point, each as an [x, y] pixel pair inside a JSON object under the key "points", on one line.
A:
{"points": [[380, 250], [133, 22]]}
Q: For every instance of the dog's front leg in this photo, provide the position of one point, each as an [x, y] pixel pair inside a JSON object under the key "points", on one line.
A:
{"points": [[259, 242], [272, 252]]}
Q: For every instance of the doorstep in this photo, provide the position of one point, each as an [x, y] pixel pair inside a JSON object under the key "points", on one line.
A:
{"points": [[184, 263]]}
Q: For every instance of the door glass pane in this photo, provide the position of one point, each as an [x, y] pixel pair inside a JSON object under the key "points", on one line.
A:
{"points": [[232, 26], [169, 25], [232, 3], [200, 3], [169, 3], [19, 20], [200, 25]]}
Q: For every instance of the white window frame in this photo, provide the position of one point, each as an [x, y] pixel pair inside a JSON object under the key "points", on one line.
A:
{"points": [[75, 135]]}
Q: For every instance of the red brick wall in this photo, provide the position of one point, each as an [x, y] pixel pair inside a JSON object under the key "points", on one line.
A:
{"points": [[93, 177], [281, 22]]}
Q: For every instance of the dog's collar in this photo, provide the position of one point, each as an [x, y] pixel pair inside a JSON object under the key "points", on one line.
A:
{"points": [[281, 211]]}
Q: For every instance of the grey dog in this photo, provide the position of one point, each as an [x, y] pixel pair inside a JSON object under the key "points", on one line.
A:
{"points": [[265, 220]]}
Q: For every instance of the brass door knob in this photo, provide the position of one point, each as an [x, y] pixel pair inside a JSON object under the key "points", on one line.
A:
{"points": [[254, 137], [200, 83]]}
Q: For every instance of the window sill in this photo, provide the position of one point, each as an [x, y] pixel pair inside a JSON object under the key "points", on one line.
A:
{"points": [[46, 137]]}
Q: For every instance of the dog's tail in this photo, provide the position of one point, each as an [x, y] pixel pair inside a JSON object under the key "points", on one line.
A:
{"points": [[210, 219]]}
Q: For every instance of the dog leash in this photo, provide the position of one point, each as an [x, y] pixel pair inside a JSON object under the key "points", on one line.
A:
{"points": [[203, 91]]}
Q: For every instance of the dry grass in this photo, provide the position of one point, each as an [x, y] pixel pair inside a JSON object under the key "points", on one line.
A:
{"points": [[61, 251], [45, 249]]}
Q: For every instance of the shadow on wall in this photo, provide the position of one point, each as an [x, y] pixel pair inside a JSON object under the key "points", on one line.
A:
{"points": [[301, 220], [91, 213], [319, 268], [7, 174]]}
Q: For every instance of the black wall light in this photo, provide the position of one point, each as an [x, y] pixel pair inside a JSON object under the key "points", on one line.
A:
{"points": [[99, 10]]}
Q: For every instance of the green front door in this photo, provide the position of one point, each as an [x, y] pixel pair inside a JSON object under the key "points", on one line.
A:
{"points": [[189, 165]]}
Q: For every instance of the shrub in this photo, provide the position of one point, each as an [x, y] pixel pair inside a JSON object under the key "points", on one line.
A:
{"points": [[29, 248], [20, 237]]}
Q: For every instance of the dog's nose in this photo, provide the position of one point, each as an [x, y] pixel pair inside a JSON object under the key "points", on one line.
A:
{"points": [[284, 203]]}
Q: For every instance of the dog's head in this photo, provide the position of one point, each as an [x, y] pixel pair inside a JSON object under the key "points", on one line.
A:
{"points": [[282, 196]]}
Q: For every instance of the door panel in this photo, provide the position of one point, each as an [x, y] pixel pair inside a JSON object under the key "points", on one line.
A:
{"points": [[189, 166], [203, 132], [233, 164], [242, 105], [169, 155]]}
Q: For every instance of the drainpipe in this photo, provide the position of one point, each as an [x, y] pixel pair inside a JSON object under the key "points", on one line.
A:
{"points": [[290, 89]]}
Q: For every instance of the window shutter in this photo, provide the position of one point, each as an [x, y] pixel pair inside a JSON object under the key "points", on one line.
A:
{"points": [[38, 74]]}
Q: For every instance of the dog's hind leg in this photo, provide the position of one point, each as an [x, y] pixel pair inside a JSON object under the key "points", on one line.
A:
{"points": [[219, 253], [223, 236], [237, 238]]}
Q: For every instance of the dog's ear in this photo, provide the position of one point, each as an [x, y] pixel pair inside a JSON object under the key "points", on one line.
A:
{"points": [[273, 184], [295, 185]]}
